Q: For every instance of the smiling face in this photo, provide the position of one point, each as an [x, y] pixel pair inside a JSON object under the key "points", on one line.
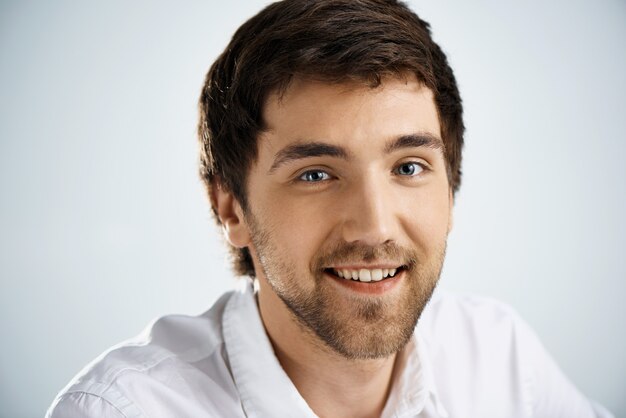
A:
{"points": [[348, 212]]}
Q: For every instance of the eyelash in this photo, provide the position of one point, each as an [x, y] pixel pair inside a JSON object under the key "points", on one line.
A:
{"points": [[422, 167], [303, 177]]}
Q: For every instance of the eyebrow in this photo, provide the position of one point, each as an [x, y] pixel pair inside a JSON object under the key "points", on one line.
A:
{"points": [[307, 150], [426, 139], [321, 149]]}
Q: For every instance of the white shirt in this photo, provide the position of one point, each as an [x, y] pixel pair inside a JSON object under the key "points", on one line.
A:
{"points": [[469, 357]]}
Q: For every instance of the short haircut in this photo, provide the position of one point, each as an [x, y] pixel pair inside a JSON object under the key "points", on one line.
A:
{"points": [[332, 41]]}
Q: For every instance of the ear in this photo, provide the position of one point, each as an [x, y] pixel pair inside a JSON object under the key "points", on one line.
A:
{"points": [[230, 214]]}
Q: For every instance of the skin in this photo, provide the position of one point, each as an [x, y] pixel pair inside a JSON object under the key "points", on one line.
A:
{"points": [[357, 202]]}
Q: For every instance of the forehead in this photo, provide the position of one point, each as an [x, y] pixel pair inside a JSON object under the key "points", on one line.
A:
{"points": [[349, 113]]}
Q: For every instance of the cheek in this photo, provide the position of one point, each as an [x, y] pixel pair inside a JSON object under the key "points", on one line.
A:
{"points": [[298, 227], [427, 221]]}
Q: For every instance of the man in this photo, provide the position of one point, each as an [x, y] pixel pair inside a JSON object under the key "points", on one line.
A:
{"points": [[331, 137]]}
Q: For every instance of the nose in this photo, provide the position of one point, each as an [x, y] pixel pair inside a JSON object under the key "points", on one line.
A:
{"points": [[369, 215]]}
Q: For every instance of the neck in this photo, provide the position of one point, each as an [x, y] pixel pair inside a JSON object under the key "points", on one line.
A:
{"points": [[332, 385]]}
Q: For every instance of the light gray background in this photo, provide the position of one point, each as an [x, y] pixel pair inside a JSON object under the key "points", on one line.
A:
{"points": [[104, 223]]}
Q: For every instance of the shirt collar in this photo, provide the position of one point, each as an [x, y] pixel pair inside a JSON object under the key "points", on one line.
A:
{"points": [[266, 390], [413, 391]]}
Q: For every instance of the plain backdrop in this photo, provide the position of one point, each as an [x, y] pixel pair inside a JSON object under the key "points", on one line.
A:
{"points": [[104, 223]]}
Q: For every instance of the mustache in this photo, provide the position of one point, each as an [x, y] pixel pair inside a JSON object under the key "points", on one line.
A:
{"points": [[355, 252]]}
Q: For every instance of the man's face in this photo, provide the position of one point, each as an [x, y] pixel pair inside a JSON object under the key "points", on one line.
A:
{"points": [[349, 210]]}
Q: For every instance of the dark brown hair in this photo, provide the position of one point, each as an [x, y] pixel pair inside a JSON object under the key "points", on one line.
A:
{"points": [[326, 40]]}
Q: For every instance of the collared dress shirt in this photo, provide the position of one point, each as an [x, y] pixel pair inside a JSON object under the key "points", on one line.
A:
{"points": [[469, 357]]}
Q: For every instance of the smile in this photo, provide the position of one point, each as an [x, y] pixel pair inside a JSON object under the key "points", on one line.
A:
{"points": [[365, 275]]}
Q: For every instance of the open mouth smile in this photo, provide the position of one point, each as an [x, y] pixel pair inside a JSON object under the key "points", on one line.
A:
{"points": [[367, 281], [365, 275]]}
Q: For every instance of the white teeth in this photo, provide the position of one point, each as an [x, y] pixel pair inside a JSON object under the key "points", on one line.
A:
{"points": [[365, 275]]}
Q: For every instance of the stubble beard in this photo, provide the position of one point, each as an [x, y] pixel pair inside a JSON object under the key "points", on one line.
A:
{"points": [[359, 327]]}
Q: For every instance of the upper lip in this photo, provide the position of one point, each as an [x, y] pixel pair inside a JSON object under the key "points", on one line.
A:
{"points": [[375, 266]]}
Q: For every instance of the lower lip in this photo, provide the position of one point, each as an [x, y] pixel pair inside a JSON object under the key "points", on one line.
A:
{"points": [[368, 288]]}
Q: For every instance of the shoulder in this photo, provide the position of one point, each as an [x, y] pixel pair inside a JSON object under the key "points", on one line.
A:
{"points": [[479, 348], [475, 328], [168, 359], [448, 313]]}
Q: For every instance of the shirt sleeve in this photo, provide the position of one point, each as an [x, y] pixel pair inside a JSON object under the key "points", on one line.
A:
{"points": [[83, 405], [553, 394]]}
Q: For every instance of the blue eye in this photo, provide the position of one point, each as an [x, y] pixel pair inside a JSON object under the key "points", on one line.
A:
{"points": [[409, 169], [314, 176]]}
